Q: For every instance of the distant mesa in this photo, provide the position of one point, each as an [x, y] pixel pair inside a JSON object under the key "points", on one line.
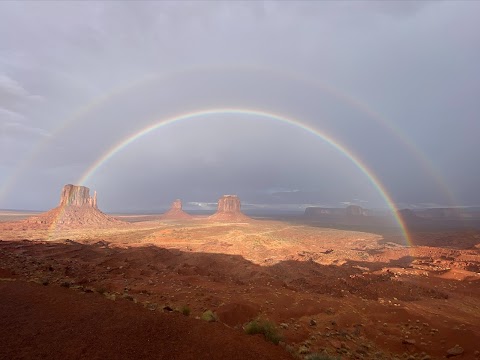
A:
{"points": [[321, 212], [407, 215], [76, 209], [229, 209], [355, 210], [176, 212], [349, 211], [352, 215]]}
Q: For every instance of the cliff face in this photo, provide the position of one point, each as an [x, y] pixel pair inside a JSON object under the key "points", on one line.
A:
{"points": [[73, 195], [228, 209], [355, 210], [176, 212]]}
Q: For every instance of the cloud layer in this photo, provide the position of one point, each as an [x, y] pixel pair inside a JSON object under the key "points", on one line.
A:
{"points": [[394, 82]]}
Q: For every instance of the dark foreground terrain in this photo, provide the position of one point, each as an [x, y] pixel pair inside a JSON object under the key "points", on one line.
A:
{"points": [[144, 292]]}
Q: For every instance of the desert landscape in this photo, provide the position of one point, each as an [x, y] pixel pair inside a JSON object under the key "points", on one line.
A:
{"points": [[213, 179], [77, 282]]}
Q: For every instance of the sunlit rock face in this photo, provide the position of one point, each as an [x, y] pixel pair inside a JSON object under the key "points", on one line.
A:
{"points": [[228, 209], [229, 204], [73, 195], [175, 212], [177, 205]]}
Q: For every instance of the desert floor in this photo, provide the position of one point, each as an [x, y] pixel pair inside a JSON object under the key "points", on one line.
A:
{"points": [[120, 293]]}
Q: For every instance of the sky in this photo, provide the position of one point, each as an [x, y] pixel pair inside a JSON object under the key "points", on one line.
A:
{"points": [[394, 84]]}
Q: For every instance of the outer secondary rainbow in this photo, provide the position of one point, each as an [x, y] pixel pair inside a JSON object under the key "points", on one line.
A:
{"points": [[88, 108]]}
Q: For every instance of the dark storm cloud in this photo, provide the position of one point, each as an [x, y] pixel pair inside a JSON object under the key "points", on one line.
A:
{"points": [[80, 66]]}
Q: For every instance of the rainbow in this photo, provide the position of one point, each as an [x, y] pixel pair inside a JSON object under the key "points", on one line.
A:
{"points": [[87, 109], [115, 149]]}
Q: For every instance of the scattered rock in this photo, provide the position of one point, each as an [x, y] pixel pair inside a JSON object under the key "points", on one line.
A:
{"points": [[303, 350], [455, 351]]}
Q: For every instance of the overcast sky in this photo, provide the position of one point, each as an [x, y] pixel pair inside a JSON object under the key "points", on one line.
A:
{"points": [[397, 83]]}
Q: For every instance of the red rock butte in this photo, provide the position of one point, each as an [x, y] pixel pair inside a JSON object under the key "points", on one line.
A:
{"points": [[76, 209], [229, 209], [175, 212]]}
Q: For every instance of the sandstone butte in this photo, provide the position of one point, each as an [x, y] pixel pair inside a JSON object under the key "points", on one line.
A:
{"points": [[76, 209], [228, 209], [176, 212]]}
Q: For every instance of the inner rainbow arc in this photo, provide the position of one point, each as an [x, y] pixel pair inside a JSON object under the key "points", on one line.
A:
{"points": [[259, 113]]}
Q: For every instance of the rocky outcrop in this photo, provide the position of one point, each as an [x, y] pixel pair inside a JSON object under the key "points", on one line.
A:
{"points": [[77, 209], [176, 212], [229, 209]]}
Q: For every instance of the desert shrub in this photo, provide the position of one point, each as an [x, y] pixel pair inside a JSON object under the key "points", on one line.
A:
{"points": [[265, 327], [102, 290], [209, 316], [321, 356], [185, 310]]}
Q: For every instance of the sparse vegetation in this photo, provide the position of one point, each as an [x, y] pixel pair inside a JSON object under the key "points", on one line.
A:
{"points": [[209, 316], [102, 290], [265, 327], [321, 356], [185, 310]]}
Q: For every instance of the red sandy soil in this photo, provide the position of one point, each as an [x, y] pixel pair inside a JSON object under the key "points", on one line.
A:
{"points": [[56, 323], [352, 294]]}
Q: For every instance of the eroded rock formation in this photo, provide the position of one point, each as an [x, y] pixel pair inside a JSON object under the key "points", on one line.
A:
{"points": [[176, 212], [229, 209], [76, 209]]}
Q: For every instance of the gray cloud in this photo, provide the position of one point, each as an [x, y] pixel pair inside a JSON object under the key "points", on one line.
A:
{"points": [[395, 82]]}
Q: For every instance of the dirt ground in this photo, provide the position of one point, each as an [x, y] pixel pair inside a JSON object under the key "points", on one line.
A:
{"points": [[349, 294]]}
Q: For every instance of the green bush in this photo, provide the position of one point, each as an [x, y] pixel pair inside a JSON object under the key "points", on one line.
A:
{"points": [[265, 327], [209, 316]]}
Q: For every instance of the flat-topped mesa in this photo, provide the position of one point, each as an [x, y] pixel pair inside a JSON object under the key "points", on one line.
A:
{"points": [[355, 210], [176, 212], [73, 195], [229, 209]]}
